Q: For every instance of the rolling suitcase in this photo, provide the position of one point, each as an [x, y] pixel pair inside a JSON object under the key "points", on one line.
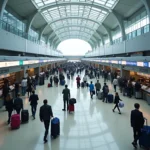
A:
{"points": [[49, 85], [100, 95], [110, 98], [15, 121], [24, 116], [55, 127], [62, 82], [71, 108], [82, 84], [144, 140]]}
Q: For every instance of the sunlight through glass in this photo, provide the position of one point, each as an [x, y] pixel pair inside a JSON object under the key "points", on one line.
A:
{"points": [[74, 47]]}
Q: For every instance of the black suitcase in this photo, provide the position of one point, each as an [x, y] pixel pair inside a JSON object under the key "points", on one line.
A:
{"points": [[82, 84], [24, 116], [55, 127]]}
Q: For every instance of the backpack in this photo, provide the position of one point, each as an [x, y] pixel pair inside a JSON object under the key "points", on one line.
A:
{"points": [[106, 89]]}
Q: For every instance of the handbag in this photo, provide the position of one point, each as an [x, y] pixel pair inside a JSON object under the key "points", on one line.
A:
{"points": [[93, 92]]}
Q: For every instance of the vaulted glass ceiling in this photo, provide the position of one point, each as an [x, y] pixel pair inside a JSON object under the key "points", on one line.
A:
{"points": [[75, 18]]}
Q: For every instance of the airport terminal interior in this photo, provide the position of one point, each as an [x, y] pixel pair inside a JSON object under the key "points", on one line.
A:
{"points": [[37, 55]]}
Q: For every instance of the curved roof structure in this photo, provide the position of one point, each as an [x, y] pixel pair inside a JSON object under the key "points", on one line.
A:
{"points": [[75, 18], [89, 20]]}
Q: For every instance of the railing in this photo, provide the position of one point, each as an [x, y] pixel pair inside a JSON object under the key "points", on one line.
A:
{"points": [[8, 27], [12, 29], [141, 31]]}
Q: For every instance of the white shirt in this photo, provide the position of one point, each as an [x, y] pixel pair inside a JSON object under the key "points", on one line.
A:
{"points": [[24, 83], [115, 82], [84, 78]]}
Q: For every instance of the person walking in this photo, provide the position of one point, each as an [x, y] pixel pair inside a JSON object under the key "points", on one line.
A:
{"points": [[29, 88], [66, 97], [115, 83], [85, 79], [98, 87], [91, 86], [116, 102], [33, 102], [137, 123], [51, 81], [9, 106], [105, 92], [45, 116], [18, 104], [78, 81]]}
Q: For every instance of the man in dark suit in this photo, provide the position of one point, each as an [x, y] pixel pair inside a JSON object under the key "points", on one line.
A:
{"points": [[137, 122], [33, 102], [66, 96], [45, 115]]}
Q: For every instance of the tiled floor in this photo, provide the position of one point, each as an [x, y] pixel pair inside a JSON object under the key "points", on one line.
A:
{"points": [[93, 126]]}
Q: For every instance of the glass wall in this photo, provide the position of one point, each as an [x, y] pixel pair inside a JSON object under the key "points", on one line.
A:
{"points": [[12, 24], [137, 26], [116, 36], [106, 40]]}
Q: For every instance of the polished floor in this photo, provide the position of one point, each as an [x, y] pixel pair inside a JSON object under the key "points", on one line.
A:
{"points": [[93, 126]]}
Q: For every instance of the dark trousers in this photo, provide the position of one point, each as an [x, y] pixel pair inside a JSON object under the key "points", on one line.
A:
{"points": [[18, 111], [105, 97], [78, 84], [9, 115], [46, 124], [33, 110], [51, 83], [16, 92], [136, 134], [115, 87], [66, 101], [116, 106]]}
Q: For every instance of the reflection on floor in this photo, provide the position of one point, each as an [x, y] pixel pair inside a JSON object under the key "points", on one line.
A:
{"points": [[93, 126]]}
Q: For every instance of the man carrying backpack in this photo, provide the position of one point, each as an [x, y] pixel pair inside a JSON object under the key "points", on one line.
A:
{"points": [[105, 92]]}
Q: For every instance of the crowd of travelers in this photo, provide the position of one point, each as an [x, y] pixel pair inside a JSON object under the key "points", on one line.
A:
{"points": [[71, 70]]}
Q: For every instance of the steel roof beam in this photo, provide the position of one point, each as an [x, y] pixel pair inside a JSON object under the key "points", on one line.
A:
{"points": [[41, 31], [51, 5], [108, 32], [147, 6], [51, 44], [62, 27], [68, 18], [74, 30], [116, 15], [101, 36], [121, 24], [30, 20], [3, 4]]}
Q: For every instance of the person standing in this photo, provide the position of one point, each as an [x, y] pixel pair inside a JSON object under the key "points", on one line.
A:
{"points": [[45, 115], [9, 106], [115, 83], [91, 86], [66, 97], [18, 104], [116, 102], [24, 86], [98, 87], [78, 81], [16, 88], [33, 102], [137, 123], [105, 92]]}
